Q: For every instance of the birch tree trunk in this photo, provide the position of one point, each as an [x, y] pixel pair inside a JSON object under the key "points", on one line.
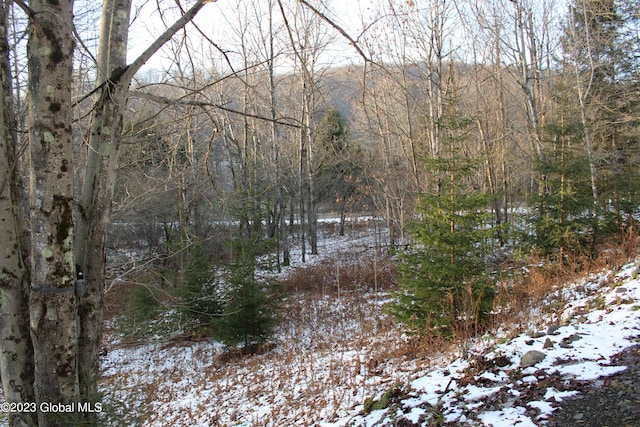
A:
{"points": [[95, 208], [53, 303], [97, 189], [16, 357], [528, 50], [584, 84]]}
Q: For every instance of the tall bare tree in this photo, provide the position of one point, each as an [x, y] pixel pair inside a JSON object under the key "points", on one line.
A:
{"points": [[114, 80], [308, 39], [16, 358], [53, 303], [58, 361]]}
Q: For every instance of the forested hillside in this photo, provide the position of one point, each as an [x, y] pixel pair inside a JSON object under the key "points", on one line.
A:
{"points": [[547, 96], [181, 155]]}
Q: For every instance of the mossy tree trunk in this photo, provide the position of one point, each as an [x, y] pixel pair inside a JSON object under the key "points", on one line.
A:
{"points": [[114, 80], [99, 180], [53, 303]]}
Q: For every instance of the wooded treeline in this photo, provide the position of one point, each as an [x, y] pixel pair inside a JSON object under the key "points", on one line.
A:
{"points": [[255, 131], [551, 93]]}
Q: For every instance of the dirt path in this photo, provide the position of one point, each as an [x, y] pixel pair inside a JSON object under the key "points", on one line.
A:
{"points": [[609, 402]]}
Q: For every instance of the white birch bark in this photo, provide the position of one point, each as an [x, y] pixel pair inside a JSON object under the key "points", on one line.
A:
{"points": [[16, 357], [53, 304], [95, 209]]}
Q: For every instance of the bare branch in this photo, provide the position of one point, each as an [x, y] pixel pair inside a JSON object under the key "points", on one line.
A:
{"points": [[338, 29], [135, 66], [169, 101], [31, 14]]}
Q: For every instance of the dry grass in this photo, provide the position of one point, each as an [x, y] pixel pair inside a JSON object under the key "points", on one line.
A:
{"points": [[340, 275], [333, 352], [336, 347], [536, 284]]}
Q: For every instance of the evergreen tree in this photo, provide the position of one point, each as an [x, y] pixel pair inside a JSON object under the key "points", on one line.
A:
{"points": [[249, 315], [201, 295], [445, 285], [600, 53], [562, 217], [338, 170]]}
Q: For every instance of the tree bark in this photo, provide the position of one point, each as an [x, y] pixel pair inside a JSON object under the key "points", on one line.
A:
{"points": [[53, 303], [95, 208], [16, 357], [584, 86], [529, 80], [97, 189]]}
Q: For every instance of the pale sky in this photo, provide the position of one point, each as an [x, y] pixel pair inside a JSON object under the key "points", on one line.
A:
{"points": [[211, 19]]}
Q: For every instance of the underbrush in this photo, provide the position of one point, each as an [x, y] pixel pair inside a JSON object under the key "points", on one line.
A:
{"points": [[331, 353], [535, 285], [335, 348], [342, 274]]}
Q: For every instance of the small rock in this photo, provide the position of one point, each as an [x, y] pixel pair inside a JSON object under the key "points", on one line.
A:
{"points": [[529, 342], [537, 334], [572, 338], [566, 341], [621, 290], [530, 358], [553, 330], [547, 343], [578, 416]]}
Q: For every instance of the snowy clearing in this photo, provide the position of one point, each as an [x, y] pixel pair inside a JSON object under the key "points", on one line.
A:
{"points": [[346, 351]]}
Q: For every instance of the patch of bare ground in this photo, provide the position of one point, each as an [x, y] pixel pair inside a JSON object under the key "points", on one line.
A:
{"points": [[611, 401]]}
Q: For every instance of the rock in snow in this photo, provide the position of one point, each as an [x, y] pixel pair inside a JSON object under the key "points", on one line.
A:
{"points": [[530, 358]]}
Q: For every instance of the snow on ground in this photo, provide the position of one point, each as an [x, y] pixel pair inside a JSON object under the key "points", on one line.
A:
{"points": [[341, 352], [334, 349], [337, 354], [319, 370], [501, 386]]}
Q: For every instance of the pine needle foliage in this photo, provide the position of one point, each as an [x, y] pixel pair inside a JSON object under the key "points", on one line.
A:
{"points": [[251, 303], [563, 216], [201, 294], [445, 285]]}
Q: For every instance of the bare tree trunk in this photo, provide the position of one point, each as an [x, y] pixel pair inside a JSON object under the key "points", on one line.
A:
{"points": [[303, 189], [100, 175], [503, 118], [307, 44], [311, 166], [95, 201], [486, 132], [529, 79], [584, 85], [281, 203], [53, 303], [435, 65], [16, 357]]}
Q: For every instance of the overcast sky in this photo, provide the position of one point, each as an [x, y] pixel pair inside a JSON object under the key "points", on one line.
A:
{"points": [[214, 19]]}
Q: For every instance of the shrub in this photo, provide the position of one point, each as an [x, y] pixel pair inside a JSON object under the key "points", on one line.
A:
{"points": [[393, 395], [445, 283], [250, 311], [339, 274], [142, 308], [201, 299]]}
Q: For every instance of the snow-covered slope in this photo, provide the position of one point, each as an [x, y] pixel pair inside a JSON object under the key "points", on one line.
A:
{"points": [[519, 382], [341, 363]]}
